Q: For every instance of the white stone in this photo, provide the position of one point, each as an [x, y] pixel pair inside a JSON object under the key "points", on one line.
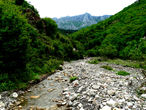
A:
{"points": [[143, 95], [129, 104], [80, 105], [97, 96], [90, 99], [106, 108], [91, 92], [111, 102], [121, 100], [80, 89], [116, 109], [81, 108], [2, 104], [15, 95], [73, 96], [66, 89], [95, 86], [75, 83], [70, 103], [111, 92]]}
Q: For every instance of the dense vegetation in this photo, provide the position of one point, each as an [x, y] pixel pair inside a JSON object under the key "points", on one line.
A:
{"points": [[29, 45], [122, 35]]}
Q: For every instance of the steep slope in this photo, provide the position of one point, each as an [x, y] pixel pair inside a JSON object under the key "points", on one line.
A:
{"points": [[78, 22], [29, 46], [121, 35]]}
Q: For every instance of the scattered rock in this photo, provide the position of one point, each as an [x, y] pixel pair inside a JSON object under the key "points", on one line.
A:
{"points": [[106, 108], [2, 104], [143, 95], [14, 95], [111, 102], [75, 83], [111, 92], [95, 86]]}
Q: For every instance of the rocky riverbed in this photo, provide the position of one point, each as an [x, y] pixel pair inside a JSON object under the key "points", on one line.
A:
{"points": [[95, 89]]}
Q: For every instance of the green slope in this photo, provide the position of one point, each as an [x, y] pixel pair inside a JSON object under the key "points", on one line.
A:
{"points": [[29, 46], [121, 35]]}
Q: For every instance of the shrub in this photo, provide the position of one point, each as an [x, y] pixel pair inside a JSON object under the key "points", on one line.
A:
{"points": [[123, 73], [73, 78], [50, 27], [107, 67], [93, 61]]}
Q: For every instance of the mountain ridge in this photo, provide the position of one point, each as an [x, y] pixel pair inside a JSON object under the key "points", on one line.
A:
{"points": [[79, 21]]}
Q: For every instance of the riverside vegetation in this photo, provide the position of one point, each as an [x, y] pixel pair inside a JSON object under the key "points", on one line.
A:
{"points": [[31, 46]]}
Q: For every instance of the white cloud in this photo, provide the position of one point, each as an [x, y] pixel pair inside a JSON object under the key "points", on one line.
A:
{"points": [[60, 8]]}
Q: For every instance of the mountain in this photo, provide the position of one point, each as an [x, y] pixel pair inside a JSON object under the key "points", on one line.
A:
{"points": [[122, 35], [78, 22]]}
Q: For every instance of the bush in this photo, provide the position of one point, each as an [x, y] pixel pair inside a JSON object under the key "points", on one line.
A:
{"points": [[107, 67], [50, 27], [73, 78], [14, 42], [93, 61], [123, 73]]}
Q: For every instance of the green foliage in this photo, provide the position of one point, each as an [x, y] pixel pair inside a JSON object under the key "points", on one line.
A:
{"points": [[93, 61], [27, 48], [123, 73], [50, 26], [128, 63], [107, 67], [122, 35], [73, 78]]}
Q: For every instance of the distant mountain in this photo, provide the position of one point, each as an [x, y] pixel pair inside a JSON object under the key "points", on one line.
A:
{"points": [[78, 22]]}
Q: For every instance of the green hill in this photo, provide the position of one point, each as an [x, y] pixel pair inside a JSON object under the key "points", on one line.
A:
{"points": [[29, 45], [122, 35]]}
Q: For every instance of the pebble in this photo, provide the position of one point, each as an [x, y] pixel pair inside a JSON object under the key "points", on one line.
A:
{"points": [[143, 95], [111, 92], [106, 108], [111, 102], [2, 104], [14, 95]]}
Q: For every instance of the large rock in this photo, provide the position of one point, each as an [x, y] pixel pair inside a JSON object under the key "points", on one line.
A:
{"points": [[14, 95], [106, 108], [143, 95], [2, 104], [111, 102]]}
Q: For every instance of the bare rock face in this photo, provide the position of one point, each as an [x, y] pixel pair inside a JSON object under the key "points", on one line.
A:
{"points": [[79, 21]]}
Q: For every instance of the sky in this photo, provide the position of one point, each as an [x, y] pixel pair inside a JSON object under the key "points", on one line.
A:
{"points": [[62, 8]]}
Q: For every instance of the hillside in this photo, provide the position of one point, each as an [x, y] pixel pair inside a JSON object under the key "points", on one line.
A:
{"points": [[29, 45], [122, 35], [78, 22]]}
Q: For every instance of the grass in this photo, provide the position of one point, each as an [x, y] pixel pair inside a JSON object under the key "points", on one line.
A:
{"points": [[128, 63], [123, 73], [97, 60], [93, 61], [107, 67], [73, 78]]}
